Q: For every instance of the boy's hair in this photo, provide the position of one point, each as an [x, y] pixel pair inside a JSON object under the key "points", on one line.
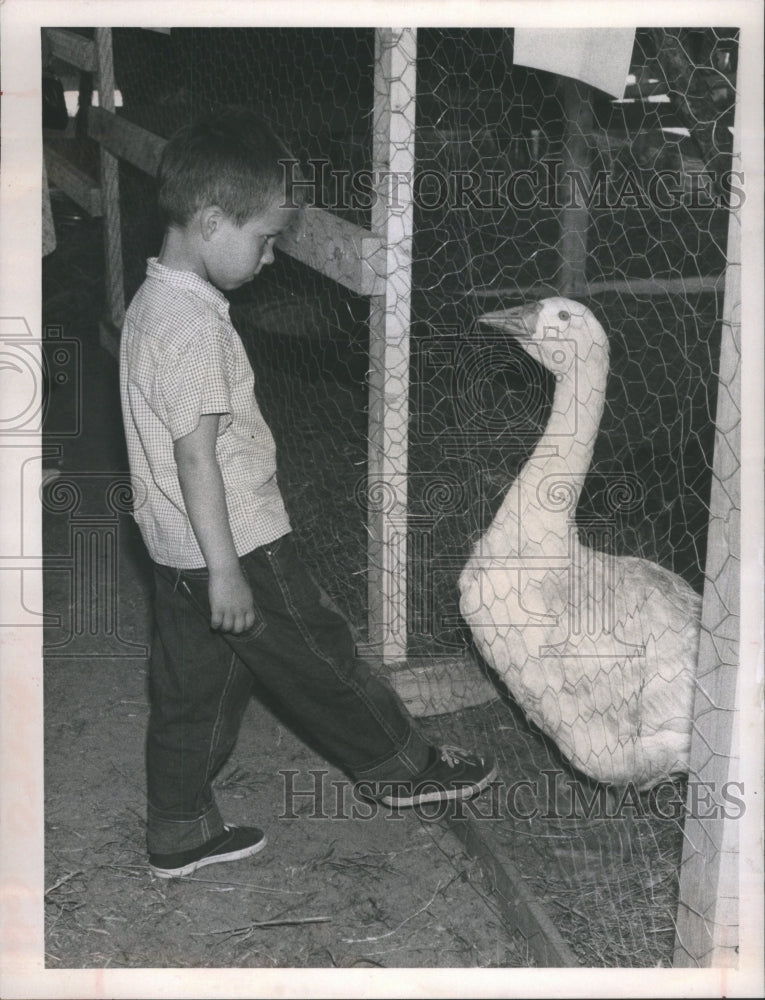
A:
{"points": [[229, 158]]}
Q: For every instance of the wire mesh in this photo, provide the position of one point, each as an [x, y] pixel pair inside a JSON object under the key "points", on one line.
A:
{"points": [[651, 270], [307, 336], [491, 206]]}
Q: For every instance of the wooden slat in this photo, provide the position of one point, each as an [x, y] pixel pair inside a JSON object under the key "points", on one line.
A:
{"points": [[126, 140], [393, 153], [441, 685], [75, 183], [707, 916], [636, 286], [575, 218], [72, 48], [337, 248], [519, 908], [115, 283], [109, 337]]}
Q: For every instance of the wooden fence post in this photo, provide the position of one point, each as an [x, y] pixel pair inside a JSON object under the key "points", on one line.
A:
{"points": [[393, 166], [575, 217], [707, 918], [110, 198]]}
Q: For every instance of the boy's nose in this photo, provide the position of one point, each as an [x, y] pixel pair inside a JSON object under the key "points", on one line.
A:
{"points": [[268, 255]]}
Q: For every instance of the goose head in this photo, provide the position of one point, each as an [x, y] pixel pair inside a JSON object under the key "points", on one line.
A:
{"points": [[559, 333]]}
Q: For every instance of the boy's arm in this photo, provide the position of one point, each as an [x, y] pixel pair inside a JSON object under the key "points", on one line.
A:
{"points": [[202, 487]]}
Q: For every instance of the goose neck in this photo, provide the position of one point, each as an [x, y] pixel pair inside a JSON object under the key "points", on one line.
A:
{"points": [[543, 499]]}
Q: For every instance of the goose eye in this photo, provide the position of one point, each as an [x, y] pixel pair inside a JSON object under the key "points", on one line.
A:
{"points": [[564, 315]]}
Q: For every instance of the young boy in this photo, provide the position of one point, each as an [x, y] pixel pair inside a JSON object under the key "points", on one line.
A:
{"points": [[233, 605]]}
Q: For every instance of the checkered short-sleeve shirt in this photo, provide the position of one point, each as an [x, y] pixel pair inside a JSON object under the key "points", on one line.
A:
{"points": [[180, 358]]}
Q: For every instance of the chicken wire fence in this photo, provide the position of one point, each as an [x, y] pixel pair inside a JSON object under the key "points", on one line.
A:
{"points": [[526, 184]]}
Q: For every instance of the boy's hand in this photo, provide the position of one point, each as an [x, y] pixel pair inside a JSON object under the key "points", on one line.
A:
{"points": [[231, 604]]}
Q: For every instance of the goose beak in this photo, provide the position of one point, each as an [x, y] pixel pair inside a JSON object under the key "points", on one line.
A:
{"points": [[520, 321]]}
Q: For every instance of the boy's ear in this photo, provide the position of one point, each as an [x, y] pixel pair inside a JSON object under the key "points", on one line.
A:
{"points": [[209, 220]]}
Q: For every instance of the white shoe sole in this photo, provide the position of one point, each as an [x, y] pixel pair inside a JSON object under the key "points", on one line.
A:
{"points": [[439, 793], [213, 859]]}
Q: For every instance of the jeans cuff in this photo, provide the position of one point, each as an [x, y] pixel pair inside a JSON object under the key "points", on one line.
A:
{"points": [[165, 835], [411, 758]]}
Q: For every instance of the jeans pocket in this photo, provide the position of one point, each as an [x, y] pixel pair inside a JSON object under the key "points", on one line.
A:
{"points": [[195, 585], [306, 599], [202, 573], [251, 633], [273, 548]]}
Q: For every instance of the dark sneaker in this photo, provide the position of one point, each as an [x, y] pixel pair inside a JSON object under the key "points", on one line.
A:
{"points": [[235, 842], [452, 774]]}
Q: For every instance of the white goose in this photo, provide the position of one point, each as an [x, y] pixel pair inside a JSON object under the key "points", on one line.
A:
{"points": [[599, 650]]}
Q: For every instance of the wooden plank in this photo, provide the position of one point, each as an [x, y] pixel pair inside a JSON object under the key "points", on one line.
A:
{"points": [[707, 917], [72, 48], [75, 183], [441, 685], [115, 282], [109, 338], [126, 140], [393, 167], [636, 286], [70, 132], [519, 908], [575, 218], [337, 248]]}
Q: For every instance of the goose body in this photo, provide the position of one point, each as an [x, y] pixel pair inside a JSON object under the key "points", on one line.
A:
{"points": [[599, 650]]}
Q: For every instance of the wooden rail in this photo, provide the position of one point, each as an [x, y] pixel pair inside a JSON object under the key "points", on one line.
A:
{"points": [[519, 908], [387, 463], [636, 286], [83, 189], [126, 140], [333, 246], [707, 916], [348, 254], [110, 186], [72, 48]]}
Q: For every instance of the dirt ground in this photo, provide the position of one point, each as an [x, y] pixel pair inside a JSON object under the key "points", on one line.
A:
{"points": [[391, 891], [388, 891]]}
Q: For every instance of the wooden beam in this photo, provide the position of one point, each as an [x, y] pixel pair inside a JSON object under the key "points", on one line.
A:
{"points": [[519, 908], [575, 218], [110, 188], [441, 685], [393, 166], [707, 916], [337, 248], [126, 140], [636, 286], [72, 48], [75, 183], [109, 338]]}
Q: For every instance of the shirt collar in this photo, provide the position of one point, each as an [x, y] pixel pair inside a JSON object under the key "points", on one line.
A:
{"points": [[191, 282]]}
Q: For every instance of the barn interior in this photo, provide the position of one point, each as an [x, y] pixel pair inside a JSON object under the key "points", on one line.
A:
{"points": [[559, 869]]}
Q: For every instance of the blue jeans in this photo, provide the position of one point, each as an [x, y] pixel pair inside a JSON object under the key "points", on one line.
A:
{"points": [[300, 653]]}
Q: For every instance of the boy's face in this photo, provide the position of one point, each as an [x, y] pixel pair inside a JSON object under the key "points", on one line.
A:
{"points": [[233, 254]]}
